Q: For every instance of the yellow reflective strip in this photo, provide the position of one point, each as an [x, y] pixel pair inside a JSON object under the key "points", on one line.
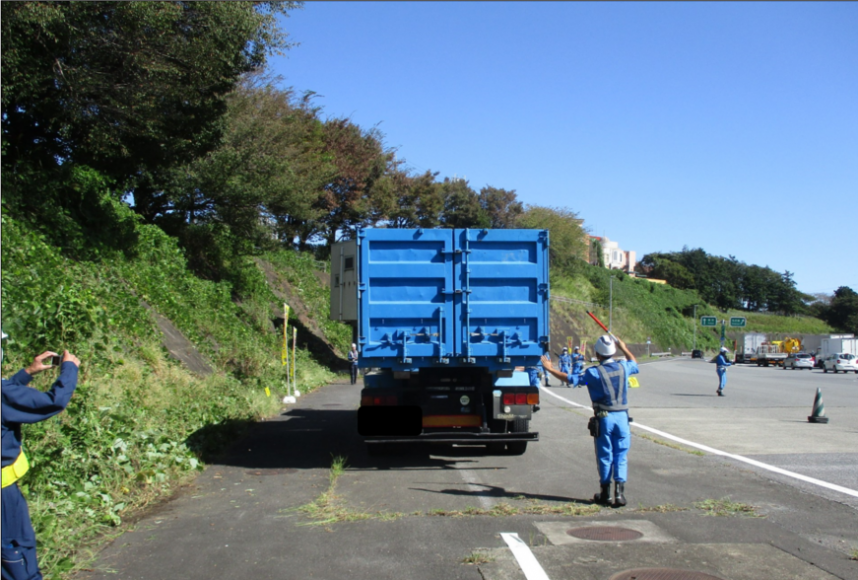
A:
{"points": [[14, 472]]}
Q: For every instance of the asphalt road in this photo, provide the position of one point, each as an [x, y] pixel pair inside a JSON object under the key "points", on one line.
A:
{"points": [[407, 516]]}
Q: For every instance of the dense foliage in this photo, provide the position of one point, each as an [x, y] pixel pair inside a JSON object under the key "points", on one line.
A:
{"points": [[726, 282]]}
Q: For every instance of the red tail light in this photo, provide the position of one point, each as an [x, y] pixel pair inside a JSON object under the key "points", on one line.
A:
{"points": [[509, 399], [521, 398]]}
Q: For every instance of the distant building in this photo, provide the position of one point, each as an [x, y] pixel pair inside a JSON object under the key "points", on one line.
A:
{"points": [[614, 257]]}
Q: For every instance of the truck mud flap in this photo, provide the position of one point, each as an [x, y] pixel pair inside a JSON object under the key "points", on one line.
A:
{"points": [[400, 421], [461, 438]]}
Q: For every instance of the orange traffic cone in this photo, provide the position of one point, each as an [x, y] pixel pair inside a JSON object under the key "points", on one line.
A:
{"points": [[818, 413]]}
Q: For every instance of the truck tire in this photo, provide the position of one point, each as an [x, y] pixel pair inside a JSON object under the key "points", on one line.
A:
{"points": [[518, 447]]}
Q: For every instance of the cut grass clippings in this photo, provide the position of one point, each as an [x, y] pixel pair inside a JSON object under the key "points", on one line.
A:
{"points": [[671, 445], [329, 508], [505, 509], [724, 507]]}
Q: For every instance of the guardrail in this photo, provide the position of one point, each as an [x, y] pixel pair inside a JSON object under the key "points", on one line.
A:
{"points": [[662, 354]]}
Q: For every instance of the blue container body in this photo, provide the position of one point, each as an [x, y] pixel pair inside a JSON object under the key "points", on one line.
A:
{"points": [[452, 297]]}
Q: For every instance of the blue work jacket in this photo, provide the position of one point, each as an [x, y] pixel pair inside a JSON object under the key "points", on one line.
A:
{"points": [[23, 404], [614, 394]]}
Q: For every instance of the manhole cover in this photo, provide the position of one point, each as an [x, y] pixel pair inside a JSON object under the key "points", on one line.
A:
{"points": [[662, 574], [270, 471], [605, 533]]}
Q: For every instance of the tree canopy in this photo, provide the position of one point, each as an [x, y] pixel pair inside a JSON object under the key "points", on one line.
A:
{"points": [[726, 282]]}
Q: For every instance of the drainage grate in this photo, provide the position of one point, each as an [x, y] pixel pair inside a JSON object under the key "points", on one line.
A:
{"points": [[605, 533], [662, 574]]}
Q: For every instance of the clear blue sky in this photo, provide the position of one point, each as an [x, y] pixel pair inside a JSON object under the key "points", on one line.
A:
{"points": [[731, 127]]}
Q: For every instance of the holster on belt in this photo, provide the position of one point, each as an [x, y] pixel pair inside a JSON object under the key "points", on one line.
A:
{"points": [[593, 426]]}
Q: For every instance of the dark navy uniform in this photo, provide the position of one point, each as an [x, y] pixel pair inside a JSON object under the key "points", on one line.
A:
{"points": [[22, 404]]}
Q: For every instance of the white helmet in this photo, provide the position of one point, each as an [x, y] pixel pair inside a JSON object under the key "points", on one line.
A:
{"points": [[724, 349], [605, 346]]}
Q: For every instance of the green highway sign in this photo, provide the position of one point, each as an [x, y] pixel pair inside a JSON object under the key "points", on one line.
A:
{"points": [[738, 321], [708, 321]]}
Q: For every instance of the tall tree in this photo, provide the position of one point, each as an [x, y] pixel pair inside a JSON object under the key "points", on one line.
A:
{"points": [[360, 161], [462, 208], [843, 312], [567, 236], [501, 206], [127, 88]]}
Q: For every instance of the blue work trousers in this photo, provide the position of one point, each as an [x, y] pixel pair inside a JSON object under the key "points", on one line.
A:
{"points": [[19, 541], [575, 375], [612, 447], [722, 379]]}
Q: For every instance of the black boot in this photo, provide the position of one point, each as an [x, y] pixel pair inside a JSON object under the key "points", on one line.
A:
{"points": [[604, 497], [619, 498]]}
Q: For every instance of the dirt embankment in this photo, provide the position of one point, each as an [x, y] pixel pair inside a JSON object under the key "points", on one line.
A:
{"points": [[310, 334]]}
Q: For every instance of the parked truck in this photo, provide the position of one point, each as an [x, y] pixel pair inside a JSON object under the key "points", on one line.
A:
{"points": [[769, 354], [445, 319], [747, 344], [836, 344]]}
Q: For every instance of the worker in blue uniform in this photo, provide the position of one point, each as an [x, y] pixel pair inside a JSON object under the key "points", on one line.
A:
{"points": [[565, 361], [20, 405], [608, 385], [577, 367], [545, 373], [721, 364], [353, 362]]}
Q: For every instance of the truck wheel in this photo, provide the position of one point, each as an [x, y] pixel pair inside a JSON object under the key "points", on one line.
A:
{"points": [[518, 447]]}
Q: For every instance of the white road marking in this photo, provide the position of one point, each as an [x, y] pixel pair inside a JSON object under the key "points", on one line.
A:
{"points": [[471, 479], [712, 450], [525, 558]]}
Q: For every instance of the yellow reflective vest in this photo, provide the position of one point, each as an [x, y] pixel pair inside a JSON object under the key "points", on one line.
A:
{"points": [[14, 472]]}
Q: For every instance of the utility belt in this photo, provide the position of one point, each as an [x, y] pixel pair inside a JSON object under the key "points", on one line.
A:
{"points": [[722, 369], [14, 472], [593, 425]]}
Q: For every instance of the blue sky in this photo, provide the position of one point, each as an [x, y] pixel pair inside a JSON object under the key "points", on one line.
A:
{"points": [[731, 127]]}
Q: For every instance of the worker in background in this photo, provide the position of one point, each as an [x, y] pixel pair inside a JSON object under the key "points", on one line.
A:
{"points": [[353, 362], [565, 361], [577, 367], [608, 385], [20, 405], [544, 372], [721, 364]]}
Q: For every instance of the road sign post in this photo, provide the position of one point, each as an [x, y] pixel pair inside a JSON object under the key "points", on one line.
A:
{"points": [[738, 322], [709, 321]]}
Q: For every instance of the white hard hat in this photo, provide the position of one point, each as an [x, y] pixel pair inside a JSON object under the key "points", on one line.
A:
{"points": [[565, 349], [354, 345], [577, 347], [724, 349], [605, 346]]}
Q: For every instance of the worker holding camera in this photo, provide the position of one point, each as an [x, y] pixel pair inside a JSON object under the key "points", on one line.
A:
{"points": [[22, 404]]}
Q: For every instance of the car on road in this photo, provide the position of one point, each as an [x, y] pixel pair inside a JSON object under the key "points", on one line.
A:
{"points": [[843, 361], [799, 360], [696, 353]]}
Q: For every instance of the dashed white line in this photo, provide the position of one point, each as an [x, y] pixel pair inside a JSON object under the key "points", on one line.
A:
{"points": [[712, 450], [525, 558]]}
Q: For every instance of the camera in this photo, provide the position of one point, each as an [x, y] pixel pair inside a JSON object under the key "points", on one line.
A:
{"points": [[53, 361]]}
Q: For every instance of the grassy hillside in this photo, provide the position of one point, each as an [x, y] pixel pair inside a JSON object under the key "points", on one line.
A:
{"points": [[642, 309], [139, 422]]}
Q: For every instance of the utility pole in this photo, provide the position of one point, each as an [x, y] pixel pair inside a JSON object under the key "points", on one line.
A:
{"points": [[695, 327], [611, 304]]}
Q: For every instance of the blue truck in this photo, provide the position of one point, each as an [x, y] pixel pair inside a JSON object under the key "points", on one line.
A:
{"points": [[449, 324]]}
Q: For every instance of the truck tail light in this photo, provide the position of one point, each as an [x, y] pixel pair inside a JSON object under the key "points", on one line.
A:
{"points": [[378, 401], [533, 399], [521, 398], [509, 399]]}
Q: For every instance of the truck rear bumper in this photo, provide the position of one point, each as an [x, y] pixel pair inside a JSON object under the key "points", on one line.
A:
{"points": [[463, 438]]}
